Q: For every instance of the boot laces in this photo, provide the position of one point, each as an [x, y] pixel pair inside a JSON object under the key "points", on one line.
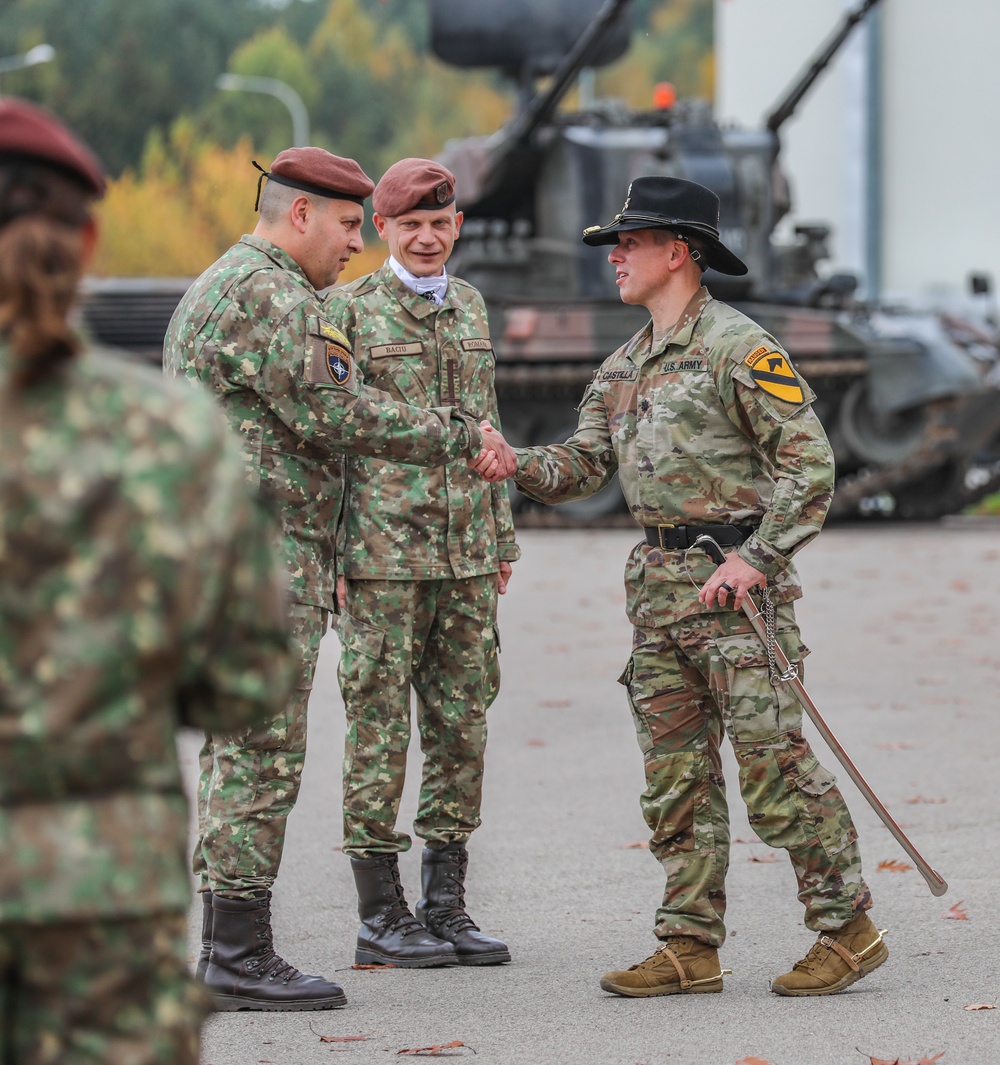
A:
{"points": [[266, 962], [818, 953], [399, 919]]}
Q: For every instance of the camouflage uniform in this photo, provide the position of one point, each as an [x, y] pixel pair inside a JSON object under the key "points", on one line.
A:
{"points": [[697, 440], [422, 551], [139, 590], [252, 329]]}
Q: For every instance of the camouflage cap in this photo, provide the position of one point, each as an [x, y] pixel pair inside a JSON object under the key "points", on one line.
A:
{"points": [[413, 185], [29, 132], [320, 172]]}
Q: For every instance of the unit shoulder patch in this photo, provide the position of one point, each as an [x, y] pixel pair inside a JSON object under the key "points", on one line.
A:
{"points": [[338, 362], [331, 332], [774, 375]]}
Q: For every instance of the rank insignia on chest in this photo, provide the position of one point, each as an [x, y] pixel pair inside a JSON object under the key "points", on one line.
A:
{"points": [[338, 362], [772, 373]]}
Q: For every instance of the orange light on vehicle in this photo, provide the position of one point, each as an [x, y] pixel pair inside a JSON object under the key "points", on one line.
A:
{"points": [[664, 96]]}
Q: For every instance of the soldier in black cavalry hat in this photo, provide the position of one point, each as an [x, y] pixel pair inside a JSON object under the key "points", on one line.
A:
{"points": [[711, 432]]}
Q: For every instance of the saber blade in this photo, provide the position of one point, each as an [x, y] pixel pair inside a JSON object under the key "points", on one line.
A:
{"points": [[937, 884]]}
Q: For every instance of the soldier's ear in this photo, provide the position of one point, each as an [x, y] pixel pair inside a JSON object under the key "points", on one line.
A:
{"points": [[299, 212]]}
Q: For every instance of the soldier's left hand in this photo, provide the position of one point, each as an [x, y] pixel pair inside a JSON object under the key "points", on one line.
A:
{"points": [[735, 578]]}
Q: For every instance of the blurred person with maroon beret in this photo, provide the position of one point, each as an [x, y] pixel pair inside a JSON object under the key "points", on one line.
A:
{"points": [[140, 590]]}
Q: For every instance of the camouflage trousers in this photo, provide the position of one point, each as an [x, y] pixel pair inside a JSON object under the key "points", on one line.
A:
{"points": [[95, 992], [688, 683], [440, 637], [249, 783]]}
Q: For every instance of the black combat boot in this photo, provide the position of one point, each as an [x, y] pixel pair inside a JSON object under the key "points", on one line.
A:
{"points": [[442, 909], [206, 935], [244, 973], [389, 933]]}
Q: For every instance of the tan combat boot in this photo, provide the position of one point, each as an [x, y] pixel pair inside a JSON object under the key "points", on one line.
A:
{"points": [[836, 960], [682, 966]]}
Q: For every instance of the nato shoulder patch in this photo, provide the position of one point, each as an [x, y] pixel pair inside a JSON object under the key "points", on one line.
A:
{"points": [[338, 362], [771, 371]]}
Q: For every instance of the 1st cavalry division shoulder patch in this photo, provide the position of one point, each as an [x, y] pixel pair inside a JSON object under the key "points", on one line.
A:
{"points": [[338, 362], [771, 371]]}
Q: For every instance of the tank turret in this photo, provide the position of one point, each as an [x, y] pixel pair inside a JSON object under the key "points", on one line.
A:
{"points": [[906, 398]]}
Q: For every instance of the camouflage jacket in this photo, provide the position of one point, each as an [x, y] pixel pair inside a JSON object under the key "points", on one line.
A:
{"points": [[402, 521], [712, 426], [252, 328], [141, 588]]}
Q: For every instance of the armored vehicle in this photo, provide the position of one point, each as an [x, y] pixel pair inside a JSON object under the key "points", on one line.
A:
{"points": [[909, 400]]}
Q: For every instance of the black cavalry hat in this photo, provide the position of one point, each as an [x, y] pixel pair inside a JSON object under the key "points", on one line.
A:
{"points": [[684, 207]]}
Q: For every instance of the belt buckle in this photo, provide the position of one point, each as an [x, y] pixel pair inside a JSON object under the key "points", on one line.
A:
{"points": [[659, 533]]}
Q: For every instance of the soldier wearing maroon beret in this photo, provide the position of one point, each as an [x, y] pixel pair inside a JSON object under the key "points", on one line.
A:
{"points": [[253, 328], [426, 553], [139, 591]]}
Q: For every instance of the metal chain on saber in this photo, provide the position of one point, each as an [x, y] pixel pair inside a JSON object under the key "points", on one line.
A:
{"points": [[770, 642], [933, 879]]}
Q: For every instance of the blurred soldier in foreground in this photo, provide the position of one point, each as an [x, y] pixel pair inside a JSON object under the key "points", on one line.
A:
{"points": [[252, 329], [140, 590], [712, 433], [426, 551]]}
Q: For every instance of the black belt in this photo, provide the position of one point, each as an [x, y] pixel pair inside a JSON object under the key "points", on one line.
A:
{"points": [[680, 537]]}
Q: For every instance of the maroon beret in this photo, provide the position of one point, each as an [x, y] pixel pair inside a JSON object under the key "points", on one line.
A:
{"points": [[316, 170], [29, 132], [414, 185]]}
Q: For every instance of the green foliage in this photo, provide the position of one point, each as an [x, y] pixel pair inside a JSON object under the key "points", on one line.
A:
{"points": [[137, 79], [124, 67]]}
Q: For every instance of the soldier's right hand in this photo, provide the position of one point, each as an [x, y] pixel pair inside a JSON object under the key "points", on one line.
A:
{"points": [[496, 461]]}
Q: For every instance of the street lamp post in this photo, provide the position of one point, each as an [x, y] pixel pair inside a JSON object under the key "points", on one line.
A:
{"points": [[273, 87], [41, 53]]}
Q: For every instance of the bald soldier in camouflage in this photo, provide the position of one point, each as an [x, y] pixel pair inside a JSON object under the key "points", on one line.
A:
{"points": [[426, 551], [712, 431], [252, 329], [140, 590]]}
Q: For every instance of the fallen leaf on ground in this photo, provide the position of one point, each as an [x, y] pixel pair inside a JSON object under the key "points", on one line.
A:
{"points": [[956, 913], [638, 845], [752, 1061], [434, 1050], [535, 743], [892, 866], [763, 859], [921, 798], [980, 1006], [343, 1038], [386, 965]]}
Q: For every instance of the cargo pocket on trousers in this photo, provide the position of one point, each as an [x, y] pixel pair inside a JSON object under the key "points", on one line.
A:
{"points": [[756, 711], [642, 732], [491, 678], [361, 652], [823, 805]]}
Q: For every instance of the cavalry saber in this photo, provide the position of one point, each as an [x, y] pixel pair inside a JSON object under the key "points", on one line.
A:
{"points": [[935, 881]]}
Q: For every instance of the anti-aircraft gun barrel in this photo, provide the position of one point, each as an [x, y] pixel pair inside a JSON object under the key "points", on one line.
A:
{"points": [[541, 107], [780, 115]]}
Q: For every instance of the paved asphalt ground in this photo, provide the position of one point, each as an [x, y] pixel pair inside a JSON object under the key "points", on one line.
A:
{"points": [[904, 625]]}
